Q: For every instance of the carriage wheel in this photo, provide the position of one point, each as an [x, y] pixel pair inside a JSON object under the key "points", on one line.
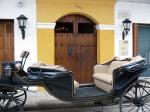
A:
{"points": [[16, 92], [20, 95], [136, 97], [9, 104]]}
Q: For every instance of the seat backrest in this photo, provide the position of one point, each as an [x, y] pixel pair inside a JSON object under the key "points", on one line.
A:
{"points": [[24, 55], [116, 64]]}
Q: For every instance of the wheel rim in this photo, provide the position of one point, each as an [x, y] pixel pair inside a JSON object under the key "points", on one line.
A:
{"points": [[9, 104], [20, 95], [16, 92], [136, 97]]}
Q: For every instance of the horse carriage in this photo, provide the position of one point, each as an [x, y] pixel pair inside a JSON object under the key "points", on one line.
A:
{"points": [[119, 85]]}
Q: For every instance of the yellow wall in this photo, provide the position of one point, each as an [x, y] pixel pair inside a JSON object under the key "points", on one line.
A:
{"points": [[99, 11], [106, 45], [46, 46]]}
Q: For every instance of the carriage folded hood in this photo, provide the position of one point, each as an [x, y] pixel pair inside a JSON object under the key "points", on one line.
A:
{"points": [[56, 82]]}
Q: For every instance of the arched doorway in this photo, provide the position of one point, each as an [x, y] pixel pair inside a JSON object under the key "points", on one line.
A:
{"points": [[76, 46]]}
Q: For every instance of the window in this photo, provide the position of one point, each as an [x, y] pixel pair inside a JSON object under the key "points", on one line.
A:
{"points": [[64, 27], [85, 28]]}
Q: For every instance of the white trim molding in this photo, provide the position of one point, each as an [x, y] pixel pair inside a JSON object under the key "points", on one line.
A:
{"points": [[46, 25], [104, 27]]}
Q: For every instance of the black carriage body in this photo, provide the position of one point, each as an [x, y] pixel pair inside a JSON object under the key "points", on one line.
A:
{"points": [[126, 75], [56, 82], [61, 83]]}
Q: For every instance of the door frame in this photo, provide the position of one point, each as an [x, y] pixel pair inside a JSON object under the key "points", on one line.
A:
{"points": [[135, 36]]}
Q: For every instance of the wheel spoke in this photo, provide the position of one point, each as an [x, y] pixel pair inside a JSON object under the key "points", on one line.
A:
{"points": [[128, 98], [136, 97], [20, 100], [138, 109], [147, 108], [142, 88], [130, 95], [146, 99], [147, 104], [143, 109], [126, 106], [7, 104], [131, 109], [145, 90], [133, 90], [19, 95], [146, 86], [140, 92]]}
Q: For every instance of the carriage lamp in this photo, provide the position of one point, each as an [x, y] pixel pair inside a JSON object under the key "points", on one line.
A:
{"points": [[126, 25], [8, 70], [22, 21]]}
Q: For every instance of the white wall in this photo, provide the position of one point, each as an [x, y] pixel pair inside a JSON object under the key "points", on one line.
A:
{"points": [[9, 9], [137, 13]]}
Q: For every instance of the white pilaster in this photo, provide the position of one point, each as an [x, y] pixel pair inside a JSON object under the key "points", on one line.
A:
{"points": [[104, 27], [46, 25]]}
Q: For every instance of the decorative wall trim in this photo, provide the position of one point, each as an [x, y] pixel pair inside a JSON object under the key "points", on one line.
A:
{"points": [[104, 27], [46, 25]]}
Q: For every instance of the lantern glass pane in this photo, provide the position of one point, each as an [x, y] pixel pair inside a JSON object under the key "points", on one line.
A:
{"points": [[24, 23], [21, 23], [124, 25], [128, 25]]}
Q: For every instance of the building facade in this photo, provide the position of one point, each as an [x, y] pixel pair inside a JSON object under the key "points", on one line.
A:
{"points": [[11, 42], [76, 34], [138, 40]]}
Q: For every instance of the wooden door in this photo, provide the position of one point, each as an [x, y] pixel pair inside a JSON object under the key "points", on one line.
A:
{"points": [[6, 40], [75, 46]]}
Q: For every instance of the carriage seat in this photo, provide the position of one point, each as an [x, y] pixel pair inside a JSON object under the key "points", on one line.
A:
{"points": [[103, 73]]}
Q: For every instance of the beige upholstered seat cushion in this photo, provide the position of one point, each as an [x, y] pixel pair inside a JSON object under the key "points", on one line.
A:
{"points": [[103, 86], [116, 64], [101, 68], [48, 66], [76, 84], [105, 77], [135, 59]]}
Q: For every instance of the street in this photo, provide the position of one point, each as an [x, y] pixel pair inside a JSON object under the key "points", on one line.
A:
{"points": [[41, 101]]}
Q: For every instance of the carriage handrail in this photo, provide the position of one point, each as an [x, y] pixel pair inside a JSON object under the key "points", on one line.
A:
{"points": [[133, 67], [125, 75]]}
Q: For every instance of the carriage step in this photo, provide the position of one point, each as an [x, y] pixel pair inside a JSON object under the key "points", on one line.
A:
{"points": [[31, 89]]}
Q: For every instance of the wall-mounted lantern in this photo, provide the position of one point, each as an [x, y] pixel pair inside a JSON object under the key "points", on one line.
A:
{"points": [[22, 21], [126, 25]]}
